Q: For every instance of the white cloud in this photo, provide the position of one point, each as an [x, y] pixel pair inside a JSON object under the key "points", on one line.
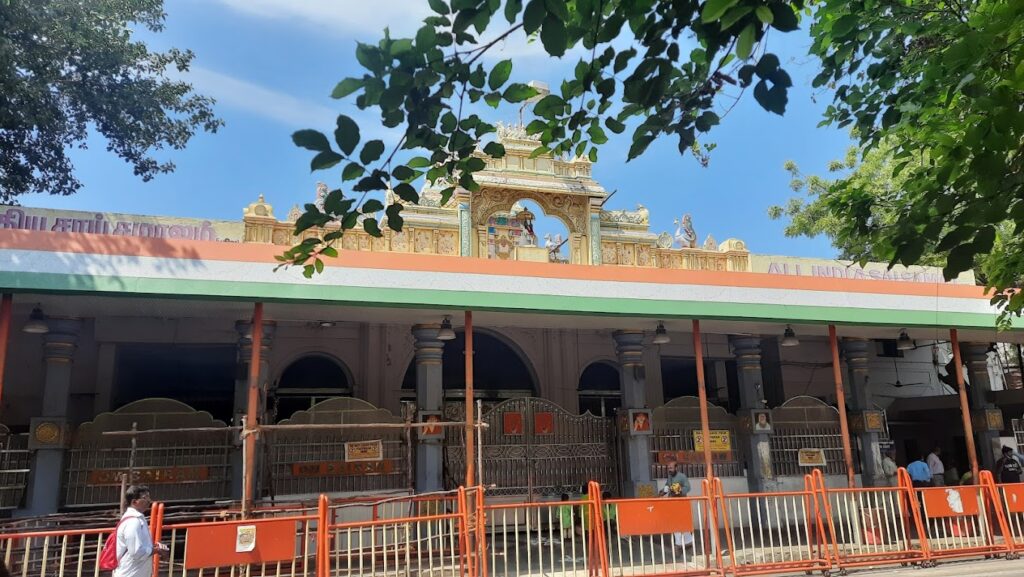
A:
{"points": [[366, 19], [277, 106]]}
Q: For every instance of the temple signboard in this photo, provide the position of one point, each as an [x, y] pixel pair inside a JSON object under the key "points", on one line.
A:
{"points": [[149, 475], [343, 468], [115, 224], [842, 269]]}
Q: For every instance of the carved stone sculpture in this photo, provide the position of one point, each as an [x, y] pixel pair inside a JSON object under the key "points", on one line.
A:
{"points": [[685, 235], [710, 244]]}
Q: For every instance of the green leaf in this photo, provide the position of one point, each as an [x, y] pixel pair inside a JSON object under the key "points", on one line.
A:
{"points": [[311, 140], [325, 159], [518, 93], [550, 107], [371, 227], [745, 42], [346, 87], [494, 150], [352, 171], [319, 264], [439, 6], [349, 220], [475, 164], [346, 134], [764, 14], [597, 135], [395, 221], [406, 192], [614, 125], [844, 25], [402, 172], [401, 46], [706, 120], [768, 64], [558, 8], [733, 15], [622, 59], [534, 15], [371, 151], [785, 18], [499, 74], [715, 9], [330, 251], [553, 36], [493, 99], [371, 206], [512, 9], [419, 162]]}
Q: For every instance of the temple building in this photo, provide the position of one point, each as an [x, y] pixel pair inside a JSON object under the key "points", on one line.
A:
{"points": [[128, 343]]}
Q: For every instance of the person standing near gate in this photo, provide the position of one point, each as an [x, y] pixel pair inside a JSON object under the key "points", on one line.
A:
{"points": [[135, 547], [938, 470], [889, 468], [920, 474], [1008, 468], [678, 485]]}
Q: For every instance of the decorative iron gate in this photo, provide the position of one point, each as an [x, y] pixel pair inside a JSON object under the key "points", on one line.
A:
{"points": [[192, 463], [313, 461], [675, 425], [14, 467], [533, 447]]}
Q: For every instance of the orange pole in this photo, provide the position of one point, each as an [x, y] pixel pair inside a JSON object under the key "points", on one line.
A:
{"points": [[470, 418], [965, 413], [5, 331], [251, 420], [702, 394], [844, 426]]}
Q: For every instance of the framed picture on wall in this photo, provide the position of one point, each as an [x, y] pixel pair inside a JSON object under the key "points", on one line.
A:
{"points": [[429, 430], [640, 422], [761, 421]]}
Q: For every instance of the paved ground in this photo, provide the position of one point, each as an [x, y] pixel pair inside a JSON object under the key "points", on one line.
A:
{"points": [[981, 568]]}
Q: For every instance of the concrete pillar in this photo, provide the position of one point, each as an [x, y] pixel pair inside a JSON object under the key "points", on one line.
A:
{"points": [[976, 360], [429, 397], [857, 353], [49, 430], [242, 390], [629, 346], [756, 446]]}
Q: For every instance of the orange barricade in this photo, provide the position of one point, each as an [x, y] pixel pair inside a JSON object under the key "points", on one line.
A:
{"points": [[1010, 496], [963, 521], [769, 533], [872, 526]]}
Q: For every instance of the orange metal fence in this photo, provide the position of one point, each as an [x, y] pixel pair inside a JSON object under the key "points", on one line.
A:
{"points": [[455, 534]]}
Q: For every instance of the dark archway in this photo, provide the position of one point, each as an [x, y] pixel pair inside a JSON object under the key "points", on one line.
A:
{"points": [[308, 381], [500, 370], [600, 389]]}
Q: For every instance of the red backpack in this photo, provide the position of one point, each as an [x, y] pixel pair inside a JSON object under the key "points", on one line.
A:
{"points": [[108, 560]]}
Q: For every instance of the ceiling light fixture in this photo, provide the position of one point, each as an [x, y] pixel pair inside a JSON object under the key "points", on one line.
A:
{"points": [[789, 338], [445, 333], [661, 335], [36, 322]]}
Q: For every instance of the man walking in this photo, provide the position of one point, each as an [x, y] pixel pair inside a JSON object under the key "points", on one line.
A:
{"points": [[938, 470], [1008, 469], [135, 547], [920, 474]]}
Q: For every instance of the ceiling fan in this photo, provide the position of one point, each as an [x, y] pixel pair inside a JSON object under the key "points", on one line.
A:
{"points": [[899, 384]]}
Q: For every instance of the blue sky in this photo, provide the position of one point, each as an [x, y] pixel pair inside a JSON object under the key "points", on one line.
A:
{"points": [[271, 65]]}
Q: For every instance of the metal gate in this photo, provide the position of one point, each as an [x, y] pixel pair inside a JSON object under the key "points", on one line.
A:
{"points": [[532, 447], [676, 428], [192, 463], [310, 461], [14, 467]]}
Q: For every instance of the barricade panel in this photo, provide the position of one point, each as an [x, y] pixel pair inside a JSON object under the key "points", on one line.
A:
{"points": [[959, 521], [549, 538], [1011, 497], [773, 532], [53, 553]]}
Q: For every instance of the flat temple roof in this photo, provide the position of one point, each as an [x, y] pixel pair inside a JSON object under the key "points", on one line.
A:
{"points": [[47, 262]]}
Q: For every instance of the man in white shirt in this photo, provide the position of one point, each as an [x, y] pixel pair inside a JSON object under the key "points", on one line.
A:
{"points": [[135, 547], [937, 468], [889, 467]]}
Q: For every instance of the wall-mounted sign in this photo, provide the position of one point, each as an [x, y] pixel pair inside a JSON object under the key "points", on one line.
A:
{"points": [[640, 422], [694, 457], [342, 468], [720, 440], [245, 538], [431, 431], [512, 424], [364, 451], [149, 476], [811, 458], [544, 424]]}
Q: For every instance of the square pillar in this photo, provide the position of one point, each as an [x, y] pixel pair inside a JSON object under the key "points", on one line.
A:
{"points": [[755, 445], [857, 353], [629, 346], [429, 397], [49, 430]]}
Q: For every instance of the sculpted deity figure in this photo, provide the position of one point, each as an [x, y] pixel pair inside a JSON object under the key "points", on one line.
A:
{"points": [[321, 195], [685, 235]]}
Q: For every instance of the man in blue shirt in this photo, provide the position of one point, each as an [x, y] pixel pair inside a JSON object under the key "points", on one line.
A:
{"points": [[920, 473]]}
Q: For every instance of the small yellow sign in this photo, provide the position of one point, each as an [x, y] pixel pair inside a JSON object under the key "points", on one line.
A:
{"points": [[364, 451], [721, 441], [811, 457]]}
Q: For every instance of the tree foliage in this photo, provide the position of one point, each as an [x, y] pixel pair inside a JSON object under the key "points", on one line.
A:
{"points": [[67, 67], [939, 80]]}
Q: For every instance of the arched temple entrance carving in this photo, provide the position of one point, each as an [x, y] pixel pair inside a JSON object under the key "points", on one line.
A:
{"points": [[191, 464]]}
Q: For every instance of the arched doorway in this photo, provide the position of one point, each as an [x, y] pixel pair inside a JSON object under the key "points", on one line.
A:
{"points": [[500, 371], [600, 389], [306, 382]]}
